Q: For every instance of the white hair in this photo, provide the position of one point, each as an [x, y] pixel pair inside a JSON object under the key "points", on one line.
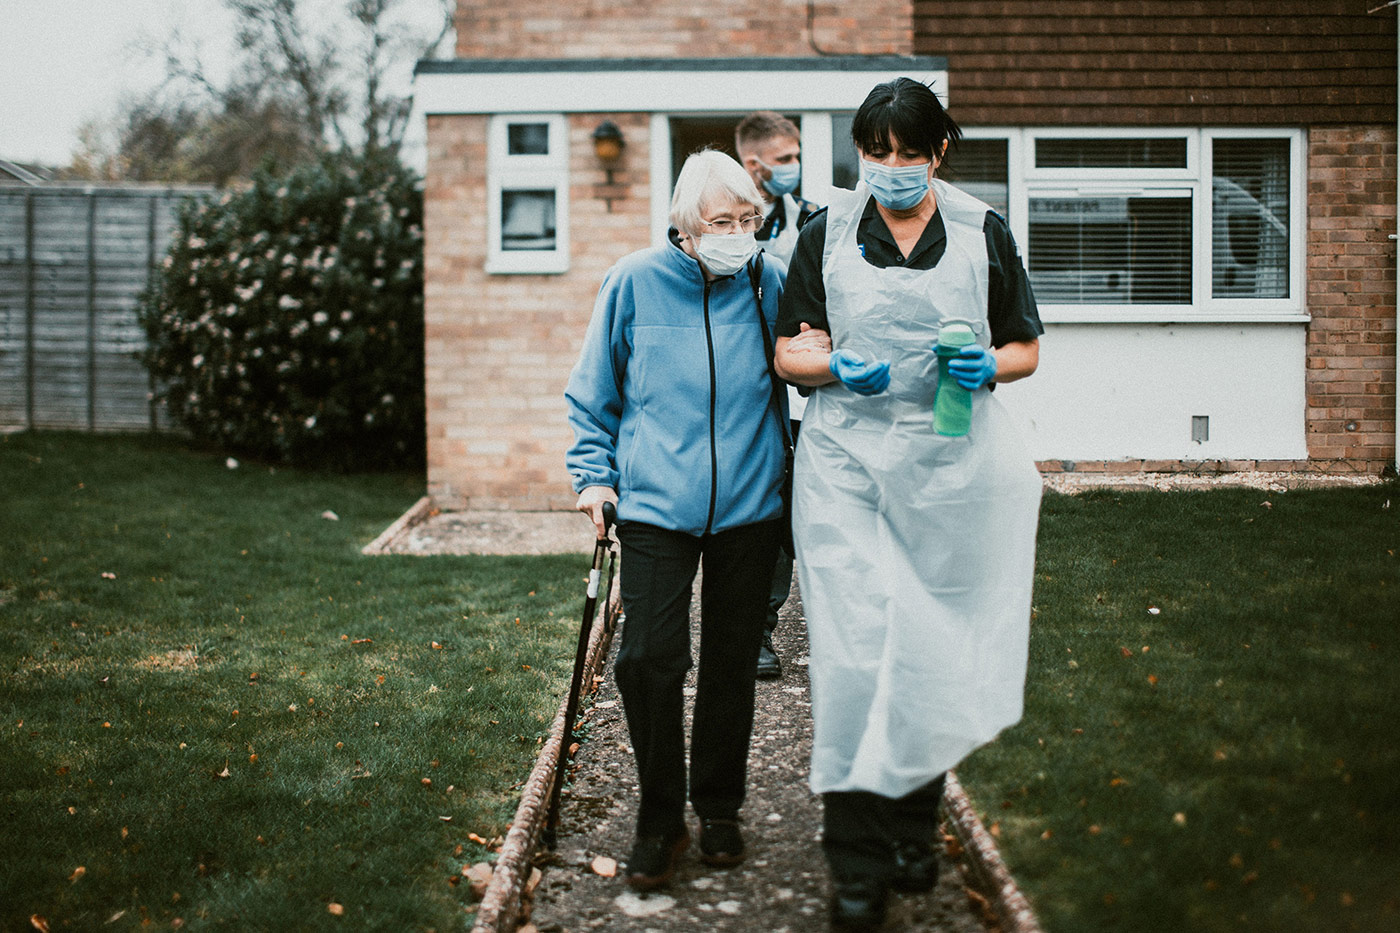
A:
{"points": [[710, 178]]}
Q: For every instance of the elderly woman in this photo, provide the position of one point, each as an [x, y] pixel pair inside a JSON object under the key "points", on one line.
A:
{"points": [[676, 420], [915, 550]]}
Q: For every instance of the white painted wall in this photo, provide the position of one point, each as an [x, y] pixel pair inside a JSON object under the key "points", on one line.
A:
{"points": [[1115, 392]]}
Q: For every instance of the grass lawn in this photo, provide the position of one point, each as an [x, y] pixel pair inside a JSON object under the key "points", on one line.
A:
{"points": [[1209, 741], [214, 708]]}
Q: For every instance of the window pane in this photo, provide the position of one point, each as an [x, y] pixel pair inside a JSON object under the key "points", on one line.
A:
{"points": [[527, 220], [1249, 219], [1147, 152], [845, 164], [1111, 250], [527, 139], [978, 166]]}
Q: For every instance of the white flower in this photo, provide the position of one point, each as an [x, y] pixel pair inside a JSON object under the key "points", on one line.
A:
{"points": [[282, 192], [334, 334], [311, 422], [198, 361], [288, 303], [346, 315], [320, 317], [195, 242]]}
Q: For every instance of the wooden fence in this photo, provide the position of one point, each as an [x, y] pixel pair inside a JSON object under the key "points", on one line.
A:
{"points": [[72, 261]]}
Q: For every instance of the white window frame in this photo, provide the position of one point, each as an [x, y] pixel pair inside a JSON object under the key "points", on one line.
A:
{"points": [[506, 172], [1026, 181]]}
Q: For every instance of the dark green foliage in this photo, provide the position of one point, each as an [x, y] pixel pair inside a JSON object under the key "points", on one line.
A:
{"points": [[286, 322]]}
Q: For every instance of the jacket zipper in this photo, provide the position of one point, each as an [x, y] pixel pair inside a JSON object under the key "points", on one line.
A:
{"points": [[714, 450]]}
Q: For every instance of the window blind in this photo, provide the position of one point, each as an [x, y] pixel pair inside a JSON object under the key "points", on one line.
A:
{"points": [[1111, 249], [1250, 223]]}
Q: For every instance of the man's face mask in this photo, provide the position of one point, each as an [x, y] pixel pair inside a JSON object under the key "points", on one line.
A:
{"points": [[785, 177]]}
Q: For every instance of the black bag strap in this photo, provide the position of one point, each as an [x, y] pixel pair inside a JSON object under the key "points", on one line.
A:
{"points": [[755, 282]]}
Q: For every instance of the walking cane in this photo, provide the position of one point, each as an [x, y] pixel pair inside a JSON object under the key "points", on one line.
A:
{"points": [[601, 548]]}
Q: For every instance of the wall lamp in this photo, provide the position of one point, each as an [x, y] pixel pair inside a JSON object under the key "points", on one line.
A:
{"points": [[608, 142]]}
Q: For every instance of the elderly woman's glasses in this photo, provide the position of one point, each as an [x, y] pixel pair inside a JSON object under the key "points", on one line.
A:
{"points": [[747, 224]]}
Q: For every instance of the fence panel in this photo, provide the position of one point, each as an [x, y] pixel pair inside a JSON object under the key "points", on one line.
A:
{"points": [[72, 263]]}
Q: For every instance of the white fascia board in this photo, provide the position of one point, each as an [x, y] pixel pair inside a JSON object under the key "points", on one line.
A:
{"points": [[674, 89]]}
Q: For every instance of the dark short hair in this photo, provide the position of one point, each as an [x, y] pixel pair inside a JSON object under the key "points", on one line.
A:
{"points": [[908, 110], [761, 126]]}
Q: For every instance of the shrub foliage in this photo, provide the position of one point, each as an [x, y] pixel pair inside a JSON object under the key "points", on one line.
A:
{"points": [[286, 321]]}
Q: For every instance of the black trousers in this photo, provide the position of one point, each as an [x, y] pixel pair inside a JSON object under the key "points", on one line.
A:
{"points": [[782, 567], [658, 572], [860, 829]]}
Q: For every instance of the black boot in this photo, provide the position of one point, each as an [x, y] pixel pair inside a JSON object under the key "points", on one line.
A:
{"points": [[915, 868], [859, 906], [769, 667]]}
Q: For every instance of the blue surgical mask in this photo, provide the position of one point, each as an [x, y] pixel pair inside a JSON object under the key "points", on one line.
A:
{"points": [[898, 188], [785, 177]]}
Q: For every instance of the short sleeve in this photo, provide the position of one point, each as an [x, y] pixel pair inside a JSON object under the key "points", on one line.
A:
{"points": [[804, 294], [1011, 308]]}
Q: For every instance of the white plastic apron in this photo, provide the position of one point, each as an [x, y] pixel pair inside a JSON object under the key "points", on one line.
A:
{"points": [[915, 552]]}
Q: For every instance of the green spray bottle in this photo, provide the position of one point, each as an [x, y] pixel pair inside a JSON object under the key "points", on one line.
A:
{"points": [[952, 404]]}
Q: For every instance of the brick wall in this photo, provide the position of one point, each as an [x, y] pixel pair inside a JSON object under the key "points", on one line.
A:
{"points": [[1169, 62], [1351, 294], [499, 347], [679, 28]]}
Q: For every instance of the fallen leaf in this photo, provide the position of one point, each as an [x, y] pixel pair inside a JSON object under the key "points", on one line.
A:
{"points": [[604, 867], [330, 516], [1047, 834], [109, 576], [362, 641], [38, 922], [116, 916], [536, 876], [445, 819], [1095, 830], [1126, 652], [1179, 819], [77, 874], [1153, 610], [1152, 679], [225, 773], [479, 876], [477, 839], [231, 463], [426, 782], [995, 830], [436, 646], [335, 909]]}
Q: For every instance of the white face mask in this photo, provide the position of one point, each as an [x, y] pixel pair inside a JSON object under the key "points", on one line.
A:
{"points": [[725, 254]]}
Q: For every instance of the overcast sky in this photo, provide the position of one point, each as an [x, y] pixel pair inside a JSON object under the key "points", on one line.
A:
{"points": [[65, 61]]}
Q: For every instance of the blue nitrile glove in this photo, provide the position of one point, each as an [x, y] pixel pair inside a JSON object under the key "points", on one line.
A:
{"points": [[860, 377], [973, 367]]}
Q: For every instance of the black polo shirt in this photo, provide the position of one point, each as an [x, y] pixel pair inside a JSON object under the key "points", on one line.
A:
{"points": [[1011, 309]]}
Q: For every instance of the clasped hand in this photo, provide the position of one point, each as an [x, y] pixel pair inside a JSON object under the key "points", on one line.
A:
{"points": [[973, 367], [859, 376]]}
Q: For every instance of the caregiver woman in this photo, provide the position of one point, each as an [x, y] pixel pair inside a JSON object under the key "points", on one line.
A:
{"points": [[915, 551], [676, 420]]}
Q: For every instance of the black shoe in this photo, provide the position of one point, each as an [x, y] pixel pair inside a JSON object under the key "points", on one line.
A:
{"points": [[653, 860], [769, 667], [859, 906], [915, 868], [721, 845]]}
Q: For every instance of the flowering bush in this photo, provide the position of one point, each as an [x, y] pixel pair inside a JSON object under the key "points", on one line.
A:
{"points": [[286, 322]]}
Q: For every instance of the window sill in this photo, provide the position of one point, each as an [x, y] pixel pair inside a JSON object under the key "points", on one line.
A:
{"points": [[1129, 315]]}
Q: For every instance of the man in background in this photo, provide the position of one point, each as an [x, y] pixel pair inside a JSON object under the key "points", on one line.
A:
{"points": [[770, 148]]}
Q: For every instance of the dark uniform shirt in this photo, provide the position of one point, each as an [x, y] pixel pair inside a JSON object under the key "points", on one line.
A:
{"points": [[1011, 309]]}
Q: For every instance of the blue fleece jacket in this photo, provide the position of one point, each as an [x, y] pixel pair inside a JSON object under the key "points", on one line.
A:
{"points": [[671, 402]]}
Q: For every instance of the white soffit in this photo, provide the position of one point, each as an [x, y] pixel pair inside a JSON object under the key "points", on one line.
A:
{"points": [[462, 86]]}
